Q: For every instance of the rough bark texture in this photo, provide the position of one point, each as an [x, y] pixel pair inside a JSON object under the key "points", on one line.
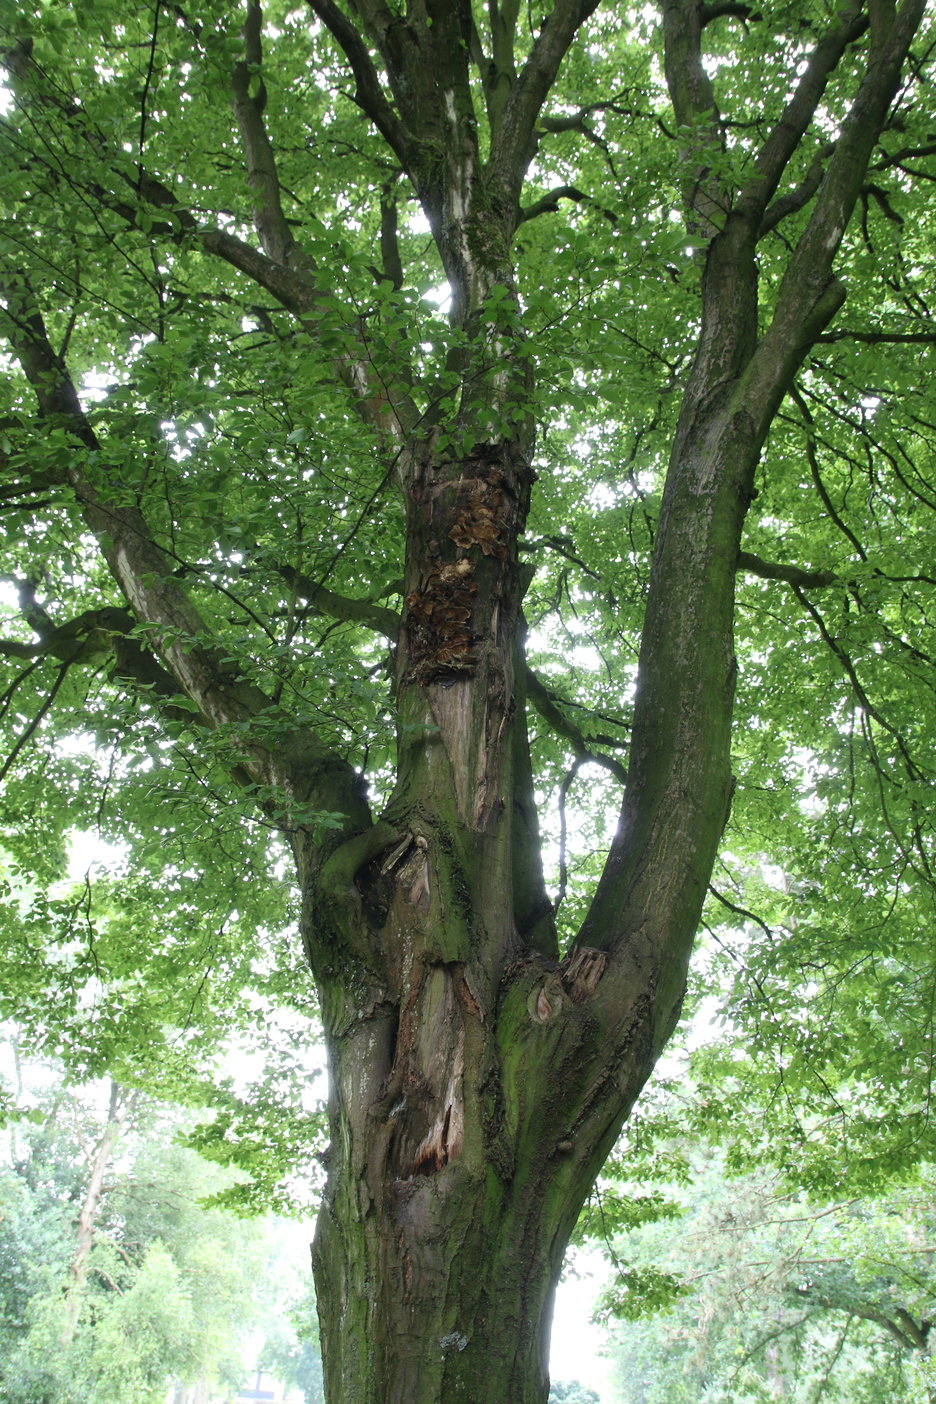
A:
{"points": [[479, 1077]]}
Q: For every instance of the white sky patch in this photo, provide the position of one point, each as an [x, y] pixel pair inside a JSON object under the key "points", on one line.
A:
{"points": [[88, 852], [94, 387], [440, 296], [577, 1343]]}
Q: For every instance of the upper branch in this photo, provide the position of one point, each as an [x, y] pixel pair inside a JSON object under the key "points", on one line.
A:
{"points": [[369, 95], [249, 101], [696, 111], [774, 155], [809, 293], [726, 9], [277, 270], [512, 145], [501, 75], [545, 703]]}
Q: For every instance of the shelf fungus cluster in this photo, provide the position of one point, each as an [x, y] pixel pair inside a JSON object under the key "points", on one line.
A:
{"points": [[440, 637], [442, 613]]}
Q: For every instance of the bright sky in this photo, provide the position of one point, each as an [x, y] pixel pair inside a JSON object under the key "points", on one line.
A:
{"points": [[576, 1342]]}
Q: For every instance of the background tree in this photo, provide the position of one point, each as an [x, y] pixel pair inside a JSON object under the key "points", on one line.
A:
{"points": [[571, 1392], [291, 1349], [763, 1292], [273, 406], [119, 1281]]}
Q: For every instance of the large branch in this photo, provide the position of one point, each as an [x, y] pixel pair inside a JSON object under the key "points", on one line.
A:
{"points": [[350, 611], [106, 631], [137, 564], [273, 231], [774, 156], [425, 58], [639, 929], [301, 768], [809, 294], [800, 197], [789, 574], [513, 143], [369, 95], [290, 286], [879, 338]]}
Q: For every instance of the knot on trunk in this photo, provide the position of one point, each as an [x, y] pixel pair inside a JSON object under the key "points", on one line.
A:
{"points": [[581, 972], [410, 860], [576, 979], [547, 1001]]}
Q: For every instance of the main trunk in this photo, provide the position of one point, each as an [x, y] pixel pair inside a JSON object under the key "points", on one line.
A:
{"points": [[453, 1179], [432, 1286], [459, 1159], [435, 1269]]}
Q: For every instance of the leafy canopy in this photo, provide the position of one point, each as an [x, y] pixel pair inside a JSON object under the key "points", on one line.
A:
{"points": [[123, 173]]}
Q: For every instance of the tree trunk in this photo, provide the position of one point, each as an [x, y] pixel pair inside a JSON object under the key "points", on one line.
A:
{"points": [[120, 1104], [478, 1079]]}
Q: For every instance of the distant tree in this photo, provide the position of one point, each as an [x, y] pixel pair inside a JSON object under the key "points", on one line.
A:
{"points": [[295, 1355], [118, 1280], [571, 1392], [773, 1294]]}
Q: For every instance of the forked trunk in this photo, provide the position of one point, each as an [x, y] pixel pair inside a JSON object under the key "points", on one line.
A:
{"points": [[452, 1190]]}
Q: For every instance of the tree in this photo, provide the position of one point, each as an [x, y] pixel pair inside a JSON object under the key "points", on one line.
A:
{"points": [[293, 1354], [772, 1293], [571, 1392], [221, 436], [118, 1279]]}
